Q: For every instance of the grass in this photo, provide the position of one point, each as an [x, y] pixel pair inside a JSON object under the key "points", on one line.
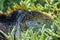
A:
{"points": [[47, 31], [43, 33]]}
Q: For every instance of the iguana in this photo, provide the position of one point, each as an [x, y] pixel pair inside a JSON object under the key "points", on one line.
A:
{"points": [[19, 17]]}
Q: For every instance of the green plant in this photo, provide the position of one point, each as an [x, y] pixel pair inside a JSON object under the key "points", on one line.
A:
{"points": [[48, 31]]}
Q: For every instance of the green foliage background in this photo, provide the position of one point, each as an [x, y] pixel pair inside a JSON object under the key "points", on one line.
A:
{"points": [[53, 6]]}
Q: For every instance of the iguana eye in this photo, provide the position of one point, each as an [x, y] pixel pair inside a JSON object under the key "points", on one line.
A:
{"points": [[38, 22]]}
